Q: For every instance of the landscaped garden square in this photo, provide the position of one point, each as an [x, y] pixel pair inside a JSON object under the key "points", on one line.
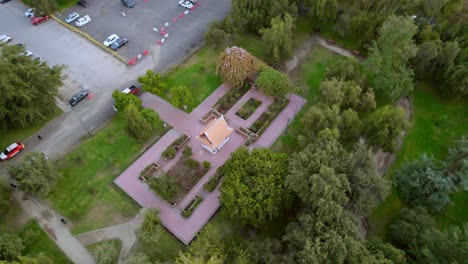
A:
{"points": [[231, 98], [248, 108]]}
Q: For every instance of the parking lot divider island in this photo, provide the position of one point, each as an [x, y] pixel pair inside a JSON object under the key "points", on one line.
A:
{"points": [[87, 36]]}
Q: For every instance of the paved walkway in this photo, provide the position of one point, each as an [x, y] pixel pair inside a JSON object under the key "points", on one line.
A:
{"points": [[49, 221], [190, 124], [126, 232]]}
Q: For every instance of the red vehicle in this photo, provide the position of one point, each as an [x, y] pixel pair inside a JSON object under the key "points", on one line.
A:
{"points": [[39, 19], [11, 151], [131, 90]]}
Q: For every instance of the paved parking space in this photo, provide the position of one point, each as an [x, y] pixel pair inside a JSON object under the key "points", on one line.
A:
{"points": [[138, 22]]}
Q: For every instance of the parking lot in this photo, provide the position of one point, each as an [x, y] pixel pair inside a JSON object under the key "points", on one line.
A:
{"points": [[136, 24]]}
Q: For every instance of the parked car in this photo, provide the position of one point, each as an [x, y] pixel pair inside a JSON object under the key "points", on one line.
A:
{"points": [[78, 97], [5, 39], [186, 4], [128, 3], [130, 90], [83, 21], [72, 17], [4, 1], [193, 1], [119, 43], [83, 3], [11, 151], [110, 40], [40, 60], [39, 19], [27, 53], [29, 12]]}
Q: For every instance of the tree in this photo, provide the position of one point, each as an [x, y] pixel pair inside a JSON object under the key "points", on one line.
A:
{"points": [[351, 125], [316, 174], [138, 258], [153, 83], [151, 117], [455, 81], [39, 259], [384, 125], [11, 246], [5, 196], [253, 190], [35, 174], [348, 70], [221, 34], [317, 119], [235, 64], [423, 183], [136, 124], [273, 82], [151, 229], [207, 248], [28, 89], [368, 188], [181, 96], [279, 37], [121, 100], [456, 164], [105, 253], [331, 91], [385, 250], [44, 7], [389, 56], [324, 11]]}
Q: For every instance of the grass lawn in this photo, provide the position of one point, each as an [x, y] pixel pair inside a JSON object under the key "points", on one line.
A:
{"points": [[436, 122], [20, 134], [165, 250], [198, 73], [115, 243], [310, 74], [86, 194], [36, 242], [254, 45]]}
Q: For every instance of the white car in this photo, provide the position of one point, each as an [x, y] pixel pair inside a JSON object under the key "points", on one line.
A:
{"points": [[110, 40], [29, 13], [27, 53], [83, 21], [5, 39], [72, 17], [185, 4]]}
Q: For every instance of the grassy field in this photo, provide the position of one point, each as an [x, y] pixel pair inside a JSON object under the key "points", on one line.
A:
{"points": [[198, 73], [436, 122], [115, 243], [166, 249], [309, 75], [20, 134], [253, 44], [86, 194]]}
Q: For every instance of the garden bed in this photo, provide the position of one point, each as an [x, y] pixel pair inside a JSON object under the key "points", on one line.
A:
{"points": [[248, 108], [188, 210], [213, 113], [251, 136], [148, 171], [230, 98], [268, 116], [212, 183], [179, 180], [175, 146]]}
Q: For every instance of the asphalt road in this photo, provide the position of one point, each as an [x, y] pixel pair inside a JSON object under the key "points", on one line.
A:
{"points": [[90, 67]]}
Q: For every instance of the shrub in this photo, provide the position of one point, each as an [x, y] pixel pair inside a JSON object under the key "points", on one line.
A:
{"points": [[206, 164], [211, 185], [169, 153], [164, 186], [187, 151], [192, 163]]}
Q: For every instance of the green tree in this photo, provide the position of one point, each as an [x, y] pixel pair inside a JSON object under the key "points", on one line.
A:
{"points": [[138, 258], [11, 246], [136, 124], [35, 174], [153, 83], [389, 56], [151, 117], [332, 91], [279, 37], [456, 163], [368, 188], [181, 96], [105, 253], [5, 198], [348, 70], [39, 259], [253, 190], [317, 119], [378, 248], [207, 248], [324, 11], [384, 125], [28, 88], [273, 82], [455, 81], [151, 229], [121, 100], [423, 183], [236, 64], [44, 7], [221, 34], [351, 125]]}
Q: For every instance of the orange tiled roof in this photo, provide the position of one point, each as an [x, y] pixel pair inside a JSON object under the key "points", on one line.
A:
{"points": [[215, 133]]}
